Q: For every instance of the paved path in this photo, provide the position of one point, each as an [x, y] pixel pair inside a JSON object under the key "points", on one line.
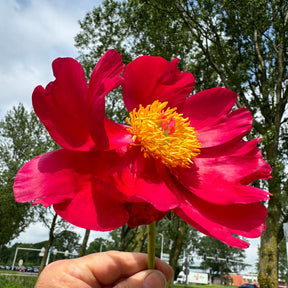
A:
{"points": [[19, 274]]}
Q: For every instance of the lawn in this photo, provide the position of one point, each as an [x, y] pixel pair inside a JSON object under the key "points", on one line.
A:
{"points": [[29, 282], [201, 286], [17, 281]]}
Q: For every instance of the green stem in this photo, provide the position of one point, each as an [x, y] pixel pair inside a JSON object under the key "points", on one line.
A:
{"points": [[151, 245]]}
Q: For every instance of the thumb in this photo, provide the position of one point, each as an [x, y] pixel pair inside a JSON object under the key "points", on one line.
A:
{"points": [[144, 279]]}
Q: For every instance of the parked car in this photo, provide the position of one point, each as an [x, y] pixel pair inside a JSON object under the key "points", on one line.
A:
{"points": [[2, 267], [22, 268], [7, 267], [35, 269], [248, 285], [29, 269]]}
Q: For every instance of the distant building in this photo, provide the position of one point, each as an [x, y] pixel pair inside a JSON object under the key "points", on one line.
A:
{"points": [[242, 279]]}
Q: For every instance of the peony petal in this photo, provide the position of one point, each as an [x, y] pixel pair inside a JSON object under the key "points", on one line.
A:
{"points": [[223, 180], [233, 127], [139, 180], [94, 209], [236, 148], [147, 79], [222, 222], [208, 112], [119, 137], [204, 108], [105, 77], [54, 177], [67, 180], [62, 106]]}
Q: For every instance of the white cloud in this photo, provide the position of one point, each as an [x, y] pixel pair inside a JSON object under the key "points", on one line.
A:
{"points": [[252, 253], [33, 34], [35, 233]]}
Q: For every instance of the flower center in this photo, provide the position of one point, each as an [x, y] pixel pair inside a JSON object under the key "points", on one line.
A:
{"points": [[164, 134]]}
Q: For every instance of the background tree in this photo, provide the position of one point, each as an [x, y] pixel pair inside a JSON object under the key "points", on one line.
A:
{"points": [[100, 245], [124, 238], [22, 137], [83, 246], [241, 45], [55, 224], [212, 248], [178, 236], [66, 240]]}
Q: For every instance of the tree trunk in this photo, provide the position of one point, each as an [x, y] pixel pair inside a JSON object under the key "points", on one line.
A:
{"points": [[177, 247], [140, 238], [177, 244], [123, 241], [269, 240], [269, 244], [84, 244], [49, 244]]}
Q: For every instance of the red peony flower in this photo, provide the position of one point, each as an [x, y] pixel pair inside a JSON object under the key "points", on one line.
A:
{"points": [[179, 153]]}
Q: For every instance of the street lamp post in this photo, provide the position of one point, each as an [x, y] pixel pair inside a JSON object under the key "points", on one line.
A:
{"points": [[162, 244], [285, 229], [55, 252], [22, 248]]}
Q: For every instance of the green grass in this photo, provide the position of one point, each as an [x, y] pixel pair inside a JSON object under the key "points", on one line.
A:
{"points": [[200, 286], [17, 281], [29, 282], [9, 272]]}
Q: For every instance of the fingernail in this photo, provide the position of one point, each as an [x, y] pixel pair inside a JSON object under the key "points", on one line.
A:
{"points": [[155, 280]]}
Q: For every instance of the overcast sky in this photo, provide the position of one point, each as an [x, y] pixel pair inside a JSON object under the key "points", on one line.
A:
{"points": [[33, 33]]}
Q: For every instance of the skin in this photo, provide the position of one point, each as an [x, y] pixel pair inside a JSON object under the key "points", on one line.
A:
{"points": [[102, 270]]}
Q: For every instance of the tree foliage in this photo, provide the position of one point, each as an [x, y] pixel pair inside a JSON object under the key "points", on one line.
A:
{"points": [[66, 240], [22, 137], [100, 245], [214, 248]]}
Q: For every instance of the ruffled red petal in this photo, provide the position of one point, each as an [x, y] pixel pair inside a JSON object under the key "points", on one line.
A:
{"points": [[205, 107], [209, 113], [147, 79], [105, 77], [223, 179], [62, 106], [72, 113], [119, 137], [141, 179], [222, 222], [235, 148], [52, 177], [94, 209], [67, 180]]}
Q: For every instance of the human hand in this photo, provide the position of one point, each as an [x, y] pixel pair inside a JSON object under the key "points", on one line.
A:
{"points": [[108, 269]]}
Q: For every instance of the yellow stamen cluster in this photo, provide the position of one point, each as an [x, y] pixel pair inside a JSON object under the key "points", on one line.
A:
{"points": [[164, 134]]}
